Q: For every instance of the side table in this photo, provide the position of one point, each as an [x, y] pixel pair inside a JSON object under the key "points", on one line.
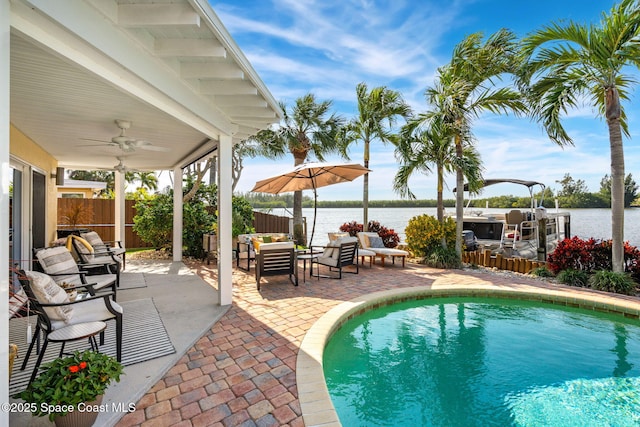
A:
{"points": [[70, 333], [307, 256]]}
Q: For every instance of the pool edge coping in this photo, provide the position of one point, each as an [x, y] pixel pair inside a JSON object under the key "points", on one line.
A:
{"points": [[315, 402]]}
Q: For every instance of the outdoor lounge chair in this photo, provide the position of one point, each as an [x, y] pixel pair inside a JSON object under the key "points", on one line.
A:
{"points": [[373, 242], [340, 253], [110, 249], [101, 262], [278, 259], [57, 313], [362, 253], [58, 263]]}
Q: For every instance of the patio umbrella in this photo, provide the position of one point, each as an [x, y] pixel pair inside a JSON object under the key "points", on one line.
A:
{"points": [[310, 176]]}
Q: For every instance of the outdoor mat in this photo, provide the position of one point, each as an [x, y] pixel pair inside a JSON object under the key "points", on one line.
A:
{"points": [[143, 338], [130, 281]]}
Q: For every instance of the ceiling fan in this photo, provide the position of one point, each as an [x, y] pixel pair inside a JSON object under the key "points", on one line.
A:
{"points": [[120, 167], [126, 143]]}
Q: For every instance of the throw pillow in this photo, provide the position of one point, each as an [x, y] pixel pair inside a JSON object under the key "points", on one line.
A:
{"points": [[49, 292], [266, 239], [59, 262], [93, 238], [376, 242], [83, 246]]}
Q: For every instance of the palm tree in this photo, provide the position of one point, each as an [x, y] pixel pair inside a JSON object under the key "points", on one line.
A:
{"points": [[465, 88], [378, 111], [147, 180], [574, 62], [419, 148], [308, 129]]}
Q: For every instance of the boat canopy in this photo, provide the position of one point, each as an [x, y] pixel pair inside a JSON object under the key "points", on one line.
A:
{"points": [[488, 182]]}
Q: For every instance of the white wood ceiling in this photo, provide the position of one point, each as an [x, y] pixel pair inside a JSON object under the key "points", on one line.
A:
{"points": [[189, 72]]}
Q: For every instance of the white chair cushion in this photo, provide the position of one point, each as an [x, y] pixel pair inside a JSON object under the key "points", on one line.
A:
{"points": [[365, 252], [390, 251], [100, 281], [276, 245], [47, 291], [89, 311], [332, 261]]}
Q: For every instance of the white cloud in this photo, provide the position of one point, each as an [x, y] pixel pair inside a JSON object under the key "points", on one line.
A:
{"points": [[327, 47]]}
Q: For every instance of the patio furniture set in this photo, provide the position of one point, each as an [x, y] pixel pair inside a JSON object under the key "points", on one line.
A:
{"points": [[72, 298], [276, 254]]}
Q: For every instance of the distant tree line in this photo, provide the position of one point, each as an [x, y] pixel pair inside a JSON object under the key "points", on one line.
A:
{"points": [[572, 194]]}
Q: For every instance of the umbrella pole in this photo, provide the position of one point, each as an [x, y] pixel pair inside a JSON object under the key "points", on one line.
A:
{"points": [[315, 210]]}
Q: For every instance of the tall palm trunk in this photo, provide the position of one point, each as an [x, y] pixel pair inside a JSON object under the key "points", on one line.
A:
{"points": [[459, 195], [617, 178], [365, 190], [440, 202], [298, 225]]}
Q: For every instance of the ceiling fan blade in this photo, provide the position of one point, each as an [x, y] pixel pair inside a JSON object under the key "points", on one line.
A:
{"points": [[97, 140], [150, 147]]}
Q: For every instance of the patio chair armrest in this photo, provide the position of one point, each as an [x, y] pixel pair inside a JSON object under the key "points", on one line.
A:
{"points": [[76, 287], [315, 249], [78, 301], [83, 267]]}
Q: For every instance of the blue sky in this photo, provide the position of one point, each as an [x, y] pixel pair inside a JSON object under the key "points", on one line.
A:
{"points": [[327, 47]]}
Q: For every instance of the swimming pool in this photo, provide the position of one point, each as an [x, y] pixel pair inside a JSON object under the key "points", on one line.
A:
{"points": [[480, 362]]}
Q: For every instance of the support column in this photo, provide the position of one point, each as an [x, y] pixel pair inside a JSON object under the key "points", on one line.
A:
{"points": [[225, 194], [177, 214], [120, 215], [5, 13]]}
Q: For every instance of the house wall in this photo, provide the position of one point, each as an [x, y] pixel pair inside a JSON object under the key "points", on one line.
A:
{"points": [[87, 193], [28, 151]]}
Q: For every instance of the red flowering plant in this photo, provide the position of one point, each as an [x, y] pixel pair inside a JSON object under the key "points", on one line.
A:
{"points": [[389, 237], [591, 255], [66, 382]]}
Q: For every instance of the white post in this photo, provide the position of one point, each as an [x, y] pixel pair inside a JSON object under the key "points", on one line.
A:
{"points": [[120, 215], [5, 13], [177, 214], [225, 194]]}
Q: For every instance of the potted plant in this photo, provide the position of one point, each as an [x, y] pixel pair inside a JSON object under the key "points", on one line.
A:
{"points": [[77, 214], [70, 390]]}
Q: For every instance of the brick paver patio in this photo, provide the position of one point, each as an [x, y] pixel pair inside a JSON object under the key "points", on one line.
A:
{"points": [[242, 372]]}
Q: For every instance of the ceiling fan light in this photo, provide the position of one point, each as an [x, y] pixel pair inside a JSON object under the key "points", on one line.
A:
{"points": [[120, 139]]}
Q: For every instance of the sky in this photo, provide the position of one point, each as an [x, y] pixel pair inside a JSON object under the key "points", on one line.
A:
{"points": [[327, 47]]}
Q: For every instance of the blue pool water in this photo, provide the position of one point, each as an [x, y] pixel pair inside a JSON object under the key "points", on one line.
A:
{"points": [[484, 362]]}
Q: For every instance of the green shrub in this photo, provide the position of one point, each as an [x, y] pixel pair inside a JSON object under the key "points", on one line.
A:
{"points": [[610, 281], [541, 272], [573, 277], [443, 258], [242, 216], [153, 221], [425, 233]]}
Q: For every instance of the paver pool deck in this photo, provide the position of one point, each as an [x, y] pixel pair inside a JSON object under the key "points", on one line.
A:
{"points": [[242, 372]]}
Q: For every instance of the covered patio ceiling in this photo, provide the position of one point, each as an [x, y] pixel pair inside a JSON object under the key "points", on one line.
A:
{"points": [[167, 66]]}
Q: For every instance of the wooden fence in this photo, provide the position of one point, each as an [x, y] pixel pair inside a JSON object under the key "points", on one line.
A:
{"points": [[267, 223], [99, 216], [486, 259]]}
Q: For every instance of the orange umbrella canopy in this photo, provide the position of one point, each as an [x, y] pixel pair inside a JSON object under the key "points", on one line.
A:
{"points": [[309, 176]]}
